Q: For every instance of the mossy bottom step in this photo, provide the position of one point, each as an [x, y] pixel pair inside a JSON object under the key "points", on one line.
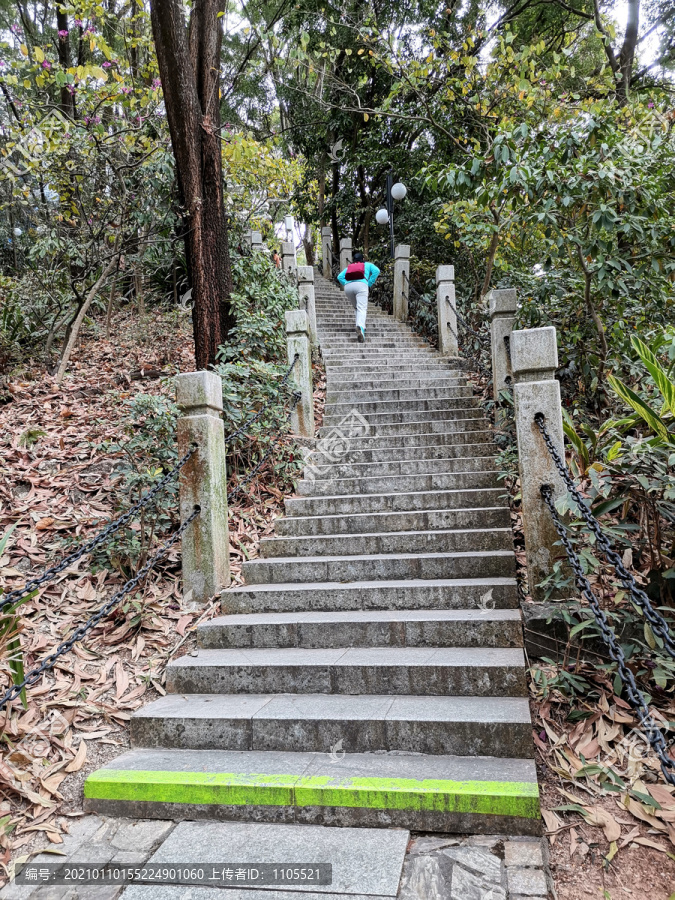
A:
{"points": [[422, 793]]}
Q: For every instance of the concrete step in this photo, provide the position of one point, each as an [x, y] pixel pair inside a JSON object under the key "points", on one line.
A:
{"points": [[411, 416], [394, 502], [424, 425], [364, 628], [394, 441], [379, 523], [393, 542], [439, 449], [379, 390], [380, 567], [342, 407], [476, 726], [439, 593], [324, 471], [432, 481], [428, 671], [422, 793]]}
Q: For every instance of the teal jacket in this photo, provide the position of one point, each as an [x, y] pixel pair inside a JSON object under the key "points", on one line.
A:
{"points": [[371, 273]]}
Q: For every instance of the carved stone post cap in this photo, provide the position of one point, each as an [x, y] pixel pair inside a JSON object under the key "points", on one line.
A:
{"points": [[199, 393], [402, 251], [305, 273], [287, 248], [534, 351], [327, 231], [345, 243], [256, 237], [502, 302], [445, 273], [297, 322]]}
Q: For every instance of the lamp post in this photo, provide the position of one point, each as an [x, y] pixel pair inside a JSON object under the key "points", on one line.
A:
{"points": [[395, 191]]}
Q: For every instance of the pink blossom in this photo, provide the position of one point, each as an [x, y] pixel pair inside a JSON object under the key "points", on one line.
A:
{"points": [[106, 64], [63, 33], [79, 23], [46, 65], [650, 105], [157, 83]]}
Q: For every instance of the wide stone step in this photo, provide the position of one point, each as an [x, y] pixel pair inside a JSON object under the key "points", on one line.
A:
{"points": [[386, 484], [392, 390], [411, 416], [380, 567], [393, 502], [439, 593], [378, 628], [476, 726], [396, 440], [422, 793], [368, 523], [326, 471], [381, 405], [426, 671], [439, 449], [393, 542], [401, 390], [420, 428]]}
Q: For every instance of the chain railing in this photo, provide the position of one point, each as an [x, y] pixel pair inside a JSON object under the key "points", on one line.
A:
{"points": [[334, 265], [648, 726], [49, 662], [15, 596], [656, 621]]}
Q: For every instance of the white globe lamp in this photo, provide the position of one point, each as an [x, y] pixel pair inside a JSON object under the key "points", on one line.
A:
{"points": [[398, 191], [382, 216]]}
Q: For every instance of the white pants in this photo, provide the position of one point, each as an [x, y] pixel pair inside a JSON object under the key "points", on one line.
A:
{"points": [[357, 291]]}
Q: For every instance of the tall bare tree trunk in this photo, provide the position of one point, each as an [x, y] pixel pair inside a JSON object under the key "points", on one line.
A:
{"points": [[189, 66]]}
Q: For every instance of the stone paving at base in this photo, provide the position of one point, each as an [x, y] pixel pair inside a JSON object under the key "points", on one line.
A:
{"points": [[368, 863]]}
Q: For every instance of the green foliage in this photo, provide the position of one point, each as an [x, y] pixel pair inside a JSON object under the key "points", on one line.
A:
{"points": [[255, 361], [146, 452]]}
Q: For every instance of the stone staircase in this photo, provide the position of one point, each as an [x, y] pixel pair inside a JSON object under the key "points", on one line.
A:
{"points": [[371, 670]]}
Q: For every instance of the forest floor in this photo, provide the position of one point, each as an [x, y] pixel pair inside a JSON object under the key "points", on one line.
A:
{"points": [[54, 483]]}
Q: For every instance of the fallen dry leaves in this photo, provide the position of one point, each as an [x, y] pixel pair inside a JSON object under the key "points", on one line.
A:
{"points": [[55, 485]]}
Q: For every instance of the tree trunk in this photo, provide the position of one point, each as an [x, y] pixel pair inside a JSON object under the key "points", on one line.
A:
{"points": [[77, 324], [492, 252], [189, 66], [67, 102]]}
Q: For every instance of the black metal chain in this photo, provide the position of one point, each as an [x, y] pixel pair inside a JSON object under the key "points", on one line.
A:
{"points": [[82, 630], [648, 726], [657, 622], [282, 384], [13, 597], [295, 398], [334, 267]]}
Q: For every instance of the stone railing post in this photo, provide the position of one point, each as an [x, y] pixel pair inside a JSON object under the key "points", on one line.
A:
{"points": [[289, 261], [401, 281], [345, 252], [246, 239], [203, 482], [289, 225], [502, 306], [534, 359], [446, 311], [306, 296], [256, 240], [297, 332], [327, 250]]}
